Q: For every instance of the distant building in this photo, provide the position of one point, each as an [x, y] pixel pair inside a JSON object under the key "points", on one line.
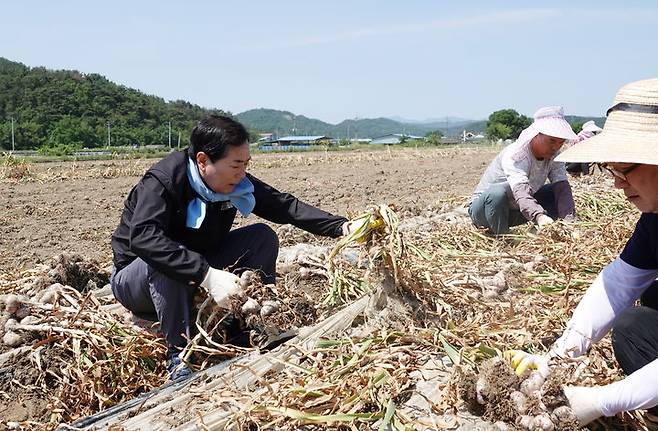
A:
{"points": [[450, 140], [472, 137], [394, 139], [292, 143], [266, 137], [303, 140]]}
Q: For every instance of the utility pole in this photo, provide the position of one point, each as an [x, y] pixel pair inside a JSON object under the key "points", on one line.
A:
{"points": [[13, 144], [179, 139], [109, 138], [169, 122]]}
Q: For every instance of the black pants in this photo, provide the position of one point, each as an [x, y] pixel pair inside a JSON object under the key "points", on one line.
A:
{"points": [[152, 295], [635, 334], [578, 168]]}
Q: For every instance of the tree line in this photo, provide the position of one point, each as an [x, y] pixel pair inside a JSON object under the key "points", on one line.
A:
{"points": [[62, 110]]}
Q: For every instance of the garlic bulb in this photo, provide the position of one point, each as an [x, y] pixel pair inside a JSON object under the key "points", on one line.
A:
{"points": [[526, 422], [12, 339], [251, 306], [479, 387], [500, 426], [246, 278], [269, 308], [520, 401], [10, 323], [533, 383], [543, 422], [12, 303]]}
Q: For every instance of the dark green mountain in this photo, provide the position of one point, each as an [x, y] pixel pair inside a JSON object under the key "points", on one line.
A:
{"points": [[67, 107], [287, 123]]}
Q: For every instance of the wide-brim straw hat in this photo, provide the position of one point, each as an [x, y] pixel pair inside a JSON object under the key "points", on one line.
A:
{"points": [[630, 133]]}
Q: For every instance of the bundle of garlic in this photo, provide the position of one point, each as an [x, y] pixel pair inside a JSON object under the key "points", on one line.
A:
{"points": [[529, 402], [376, 233], [253, 320]]}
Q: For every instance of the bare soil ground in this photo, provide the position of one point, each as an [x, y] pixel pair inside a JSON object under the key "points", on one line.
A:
{"points": [[464, 295], [74, 206]]}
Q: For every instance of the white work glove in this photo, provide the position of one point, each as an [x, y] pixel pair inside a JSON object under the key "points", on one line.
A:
{"points": [[522, 361], [584, 402], [360, 225], [570, 218], [348, 228], [222, 286], [543, 220]]}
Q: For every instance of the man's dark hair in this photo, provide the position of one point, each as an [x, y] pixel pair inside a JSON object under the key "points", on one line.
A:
{"points": [[214, 134]]}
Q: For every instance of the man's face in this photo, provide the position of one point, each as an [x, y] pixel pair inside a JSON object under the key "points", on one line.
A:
{"points": [[223, 175], [640, 185], [545, 147]]}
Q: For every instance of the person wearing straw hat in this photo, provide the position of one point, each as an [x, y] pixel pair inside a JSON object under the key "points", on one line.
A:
{"points": [[175, 234], [512, 190], [588, 130], [627, 149]]}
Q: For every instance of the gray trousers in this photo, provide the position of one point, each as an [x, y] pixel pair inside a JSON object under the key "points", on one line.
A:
{"points": [[152, 295], [492, 209]]}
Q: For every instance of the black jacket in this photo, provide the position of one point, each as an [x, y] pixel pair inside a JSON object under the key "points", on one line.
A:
{"points": [[152, 225]]}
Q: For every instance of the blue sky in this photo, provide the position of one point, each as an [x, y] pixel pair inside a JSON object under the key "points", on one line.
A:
{"points": [[337, 60]]}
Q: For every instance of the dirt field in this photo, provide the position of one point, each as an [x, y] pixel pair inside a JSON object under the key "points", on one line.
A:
{"points": [[446, 295], [75, 206]]}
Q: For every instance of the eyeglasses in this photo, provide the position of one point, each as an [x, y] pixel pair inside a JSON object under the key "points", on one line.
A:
{"points": [[622, 174]]}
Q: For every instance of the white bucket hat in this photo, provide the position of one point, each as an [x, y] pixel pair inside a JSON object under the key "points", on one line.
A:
{"points": [[591, 127], [630, 134], [550, 121]]}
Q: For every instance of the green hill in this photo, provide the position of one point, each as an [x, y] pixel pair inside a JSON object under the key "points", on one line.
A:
{"points": [[287, 123], [67, 107], [55, 108]]}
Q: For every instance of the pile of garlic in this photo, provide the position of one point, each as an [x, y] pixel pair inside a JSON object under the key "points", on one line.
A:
{"points": [[530, 402]]}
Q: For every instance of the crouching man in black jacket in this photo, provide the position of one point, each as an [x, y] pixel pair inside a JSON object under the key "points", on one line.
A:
{"points": [[175, 231]]}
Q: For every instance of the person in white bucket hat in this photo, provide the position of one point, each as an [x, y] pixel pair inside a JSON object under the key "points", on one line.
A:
{"points": [[628, 149], [588, 130], [512, 190]]}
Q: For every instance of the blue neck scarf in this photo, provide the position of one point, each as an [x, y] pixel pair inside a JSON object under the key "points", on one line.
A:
{"points": [[242, 197]]}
